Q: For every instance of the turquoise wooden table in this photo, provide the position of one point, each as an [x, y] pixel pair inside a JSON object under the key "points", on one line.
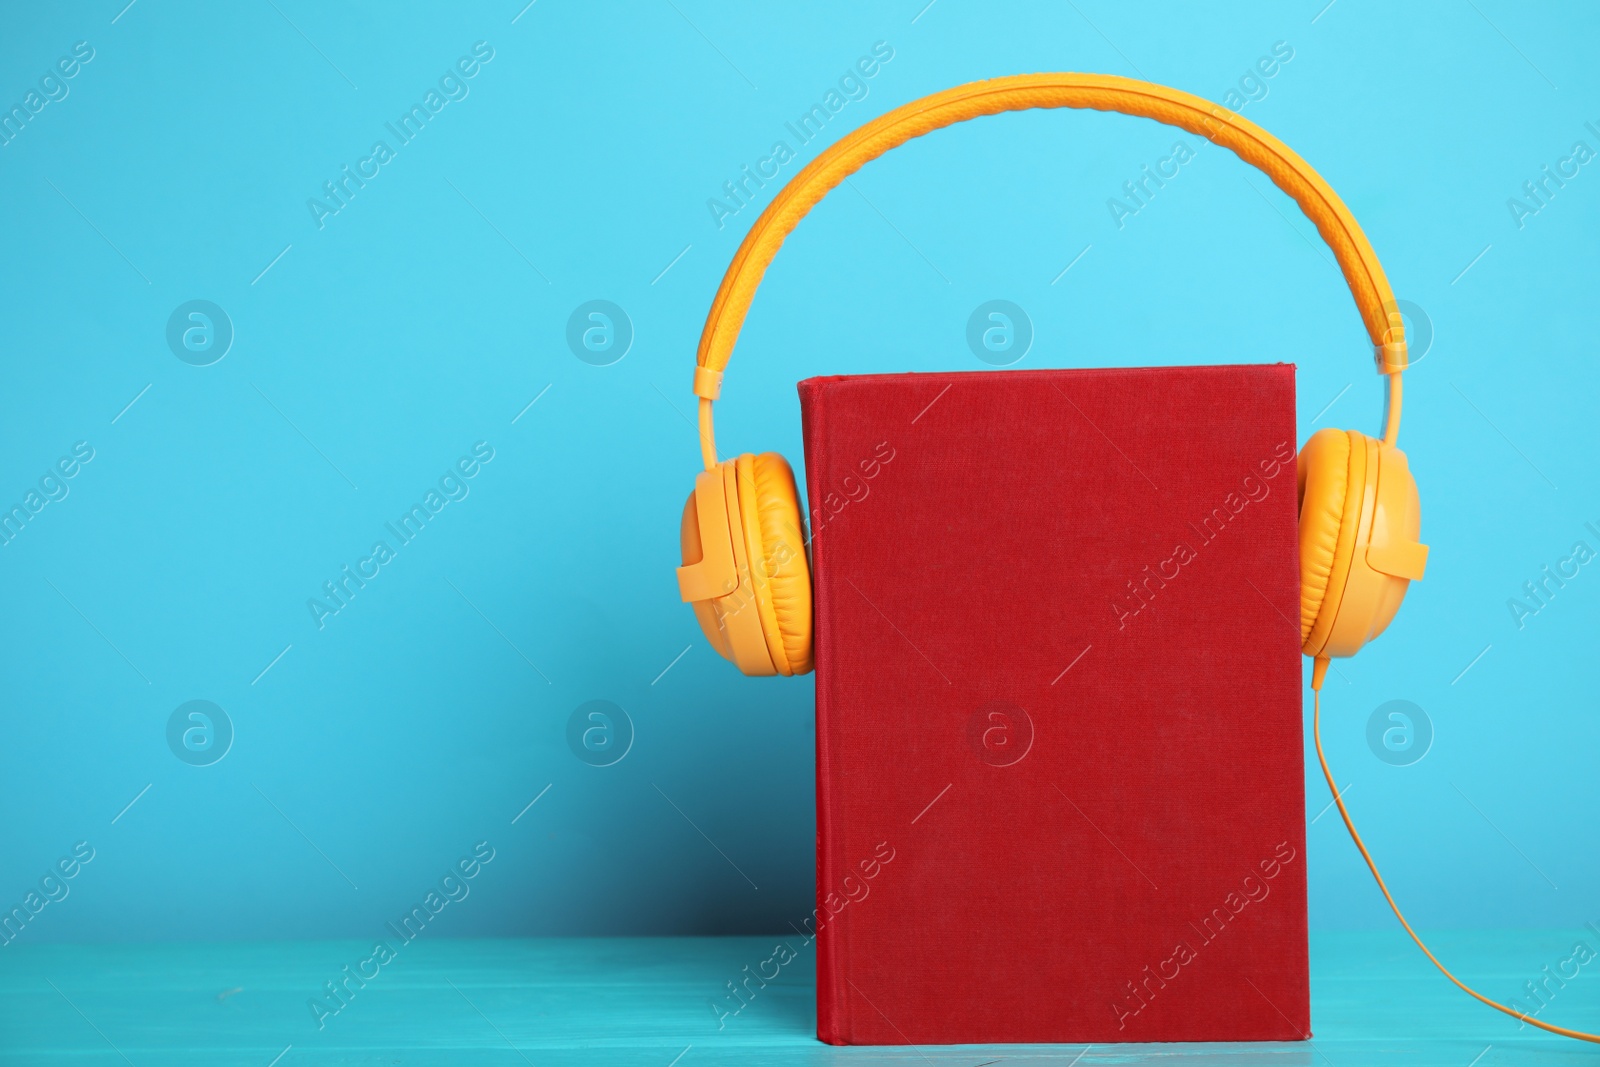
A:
{"points": [[645, 1002]]}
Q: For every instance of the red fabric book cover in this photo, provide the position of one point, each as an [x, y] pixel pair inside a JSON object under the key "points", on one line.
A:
{"points": [[1060, 792]]}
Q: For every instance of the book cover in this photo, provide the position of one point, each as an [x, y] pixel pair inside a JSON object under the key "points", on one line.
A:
{"points": [[1060, 792]]}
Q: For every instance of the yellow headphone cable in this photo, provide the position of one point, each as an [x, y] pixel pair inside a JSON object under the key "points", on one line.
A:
{"points": [[1344, 813]]}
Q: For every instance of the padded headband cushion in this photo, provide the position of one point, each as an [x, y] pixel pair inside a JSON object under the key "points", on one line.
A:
{"points": [[1374, 298], [1257, 147]]}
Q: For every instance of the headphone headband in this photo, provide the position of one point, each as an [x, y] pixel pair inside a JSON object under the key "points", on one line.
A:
{"points": [[1101, 92]]}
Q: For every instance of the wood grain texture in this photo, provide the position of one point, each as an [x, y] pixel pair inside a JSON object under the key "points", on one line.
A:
{"points": [[646, 1001]]}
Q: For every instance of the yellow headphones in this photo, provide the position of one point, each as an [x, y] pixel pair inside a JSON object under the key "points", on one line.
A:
{"points": [[743, 535], [744, 545]]}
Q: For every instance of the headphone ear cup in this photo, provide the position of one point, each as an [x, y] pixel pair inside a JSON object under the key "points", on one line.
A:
{"points": [[1328, 524], [723, 571], [780, 571]]}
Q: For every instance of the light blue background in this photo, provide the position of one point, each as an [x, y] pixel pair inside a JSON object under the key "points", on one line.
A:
{"points": [[425, 317]]}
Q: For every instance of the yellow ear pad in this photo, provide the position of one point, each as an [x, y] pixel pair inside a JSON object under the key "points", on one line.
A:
{"points": [[1330, 466], [775, 539]]}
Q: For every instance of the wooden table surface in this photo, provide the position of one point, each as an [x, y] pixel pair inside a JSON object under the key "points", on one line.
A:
{"points": [[644, 1001]]}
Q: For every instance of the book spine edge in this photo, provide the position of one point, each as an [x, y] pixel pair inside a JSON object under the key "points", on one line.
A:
{"points": [[830, 1001]]}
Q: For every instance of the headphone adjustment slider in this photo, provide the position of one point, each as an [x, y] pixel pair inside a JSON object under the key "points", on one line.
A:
{"points": [[1391, 357], [707, 383]]}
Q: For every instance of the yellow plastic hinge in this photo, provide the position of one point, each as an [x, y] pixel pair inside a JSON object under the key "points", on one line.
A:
{"points": [[1398, 559], [707, 383], [715, 573], [1391, 357], [1391, 351]]}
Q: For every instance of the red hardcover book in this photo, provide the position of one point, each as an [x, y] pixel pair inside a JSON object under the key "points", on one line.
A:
{"points": [[1060, 793]]}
